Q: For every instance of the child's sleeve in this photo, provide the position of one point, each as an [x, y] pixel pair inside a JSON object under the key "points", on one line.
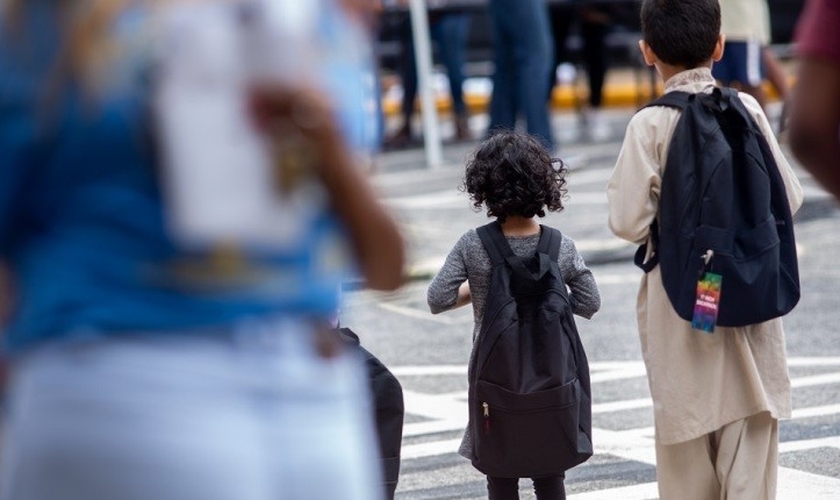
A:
{"points": [[443, 290], [583, 291], [633, 188]]}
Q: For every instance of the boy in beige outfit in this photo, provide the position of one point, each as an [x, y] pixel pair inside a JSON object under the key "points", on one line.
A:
{"points": [[717, 397]]}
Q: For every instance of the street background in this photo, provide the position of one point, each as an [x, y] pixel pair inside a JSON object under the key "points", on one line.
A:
{"points": [[428, 353]]}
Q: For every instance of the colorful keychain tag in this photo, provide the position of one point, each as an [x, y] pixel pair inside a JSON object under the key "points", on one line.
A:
{"points": [[708, 301]]}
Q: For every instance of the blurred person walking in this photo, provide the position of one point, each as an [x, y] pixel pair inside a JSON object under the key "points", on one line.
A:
{"points": [[143, 368], [522, 56], [594, 22], [449, 30], [815, 106], [746, 26]]}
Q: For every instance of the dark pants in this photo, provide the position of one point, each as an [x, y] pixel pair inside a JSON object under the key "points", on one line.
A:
{"points": [[594, 50], [449, 31], [522, 55], [507, 488]]}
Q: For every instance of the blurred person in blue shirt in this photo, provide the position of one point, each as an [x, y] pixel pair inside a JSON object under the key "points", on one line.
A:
{"points": [[141, 368]]}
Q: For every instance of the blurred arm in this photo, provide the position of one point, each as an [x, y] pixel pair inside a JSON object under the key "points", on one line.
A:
{"points": [[815, 121], [374, 234]]}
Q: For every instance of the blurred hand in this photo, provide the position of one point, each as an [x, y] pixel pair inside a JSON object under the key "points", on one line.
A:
{"points": [[287, 112], [279, 109]]}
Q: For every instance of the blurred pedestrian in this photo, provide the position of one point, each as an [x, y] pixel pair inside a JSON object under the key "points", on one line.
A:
{"points": [[594, 22], [516, 180], [522, 56], [143, 368], [815, 113], [746, 25], [449, 30]]}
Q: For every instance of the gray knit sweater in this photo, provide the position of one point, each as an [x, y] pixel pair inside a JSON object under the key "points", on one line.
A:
{"points": [[469, 261]]}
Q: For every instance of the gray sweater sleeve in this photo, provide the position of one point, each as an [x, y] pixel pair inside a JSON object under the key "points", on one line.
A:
{"points": [[443, 291], [583, 291]]}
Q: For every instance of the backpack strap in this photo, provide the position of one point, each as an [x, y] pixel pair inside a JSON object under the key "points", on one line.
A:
{"points": [[641, 252], [494, 248], [497, 247], [549, 244], [674, 99], [678, 100]]}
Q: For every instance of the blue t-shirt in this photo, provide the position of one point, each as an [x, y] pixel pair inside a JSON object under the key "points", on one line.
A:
{"points": [[82, 222]]}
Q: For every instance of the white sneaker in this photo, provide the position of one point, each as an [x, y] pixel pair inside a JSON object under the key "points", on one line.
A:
{"points": [[597, 127]]}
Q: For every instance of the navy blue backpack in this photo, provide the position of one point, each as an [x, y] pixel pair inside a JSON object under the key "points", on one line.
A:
{"points": [[723, 209]]}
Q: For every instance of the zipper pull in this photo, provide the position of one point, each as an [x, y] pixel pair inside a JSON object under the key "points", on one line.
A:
{"points": [[486, 417], [706, 258]]}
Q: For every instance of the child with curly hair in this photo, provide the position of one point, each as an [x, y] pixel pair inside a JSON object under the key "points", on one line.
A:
{"points": [[515, 178]]}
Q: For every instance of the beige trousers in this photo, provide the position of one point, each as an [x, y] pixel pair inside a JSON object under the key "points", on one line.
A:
{"points": [[739, 461]]}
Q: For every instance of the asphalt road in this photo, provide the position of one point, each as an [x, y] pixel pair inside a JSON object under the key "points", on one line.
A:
{"points": [[429, 353]]}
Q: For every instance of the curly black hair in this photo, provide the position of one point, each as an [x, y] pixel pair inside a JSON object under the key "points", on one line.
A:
{"points": [[514, 175]]}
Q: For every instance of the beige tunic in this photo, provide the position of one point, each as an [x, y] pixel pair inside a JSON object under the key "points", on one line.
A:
{"points": [[699, 381]]}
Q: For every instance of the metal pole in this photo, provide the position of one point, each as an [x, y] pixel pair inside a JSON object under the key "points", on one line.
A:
{"points": [[423, 56]]}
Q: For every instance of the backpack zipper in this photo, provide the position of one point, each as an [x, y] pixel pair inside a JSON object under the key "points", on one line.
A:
{"points": [[486, 407]]}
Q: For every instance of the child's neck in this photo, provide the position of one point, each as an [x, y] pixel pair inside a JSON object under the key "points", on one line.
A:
{"points": [[666, 71], [516, 225]]}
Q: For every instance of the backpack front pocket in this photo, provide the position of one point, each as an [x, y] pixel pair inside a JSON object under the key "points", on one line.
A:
{"points": [[528, 435]]}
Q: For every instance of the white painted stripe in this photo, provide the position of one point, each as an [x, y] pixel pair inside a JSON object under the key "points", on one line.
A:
{"points": [[424, 371], [629, 404], [441, 199], [607, 376], [798, 485], [617, 365], [816, 411], [809, 444], [644, 491], [431, 449], [629, 369], [433, 406], [824, 379], [602, 244], [814, 361], [629, 445], [453, 199], [413, 312], [434, 427]]}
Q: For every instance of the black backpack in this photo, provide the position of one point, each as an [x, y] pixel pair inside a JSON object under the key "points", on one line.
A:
{"points": [[529, 394], [390, 411], [723, 209]]}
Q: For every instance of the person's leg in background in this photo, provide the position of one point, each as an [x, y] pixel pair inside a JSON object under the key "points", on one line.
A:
{"points": [[594, 26], [560, 19], [408, 78], [550, 488], [502, 488], [503, 104], [450, 31], [742, 67], [533, 56], [777, 77], [523, 56]]}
